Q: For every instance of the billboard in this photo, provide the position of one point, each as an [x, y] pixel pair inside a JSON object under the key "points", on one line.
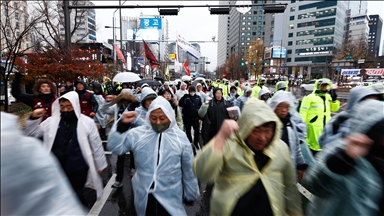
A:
{"points": [[279, 53], [346, 72], [150, 23]]}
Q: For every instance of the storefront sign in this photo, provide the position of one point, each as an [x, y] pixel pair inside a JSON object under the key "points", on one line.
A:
{"points": [[350, 72], [374, 71]]}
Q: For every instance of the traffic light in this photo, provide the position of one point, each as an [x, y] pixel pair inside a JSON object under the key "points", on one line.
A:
{"points": [[242, 63], [254, 63]]}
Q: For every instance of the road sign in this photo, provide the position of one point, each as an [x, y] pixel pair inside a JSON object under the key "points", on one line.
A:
{"points": [[140, 59], [348, 57], [150, 23], [284, 65], [361, 61], [338, 68]]}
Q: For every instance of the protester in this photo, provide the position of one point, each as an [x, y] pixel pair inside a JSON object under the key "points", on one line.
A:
{"points": [[292, 134], [163, 159], [260, 85], [88, 103], [233, 96], [316, 111], [73, 139], [339, 125], [225, 88], [44, 94], [250, 166], [67, 88], [213, 113], [191, 104], [101, 119], [264, 94], [203, 96], [182, 91], [348, 178], [32, 183], [174, 104], [240, 102]]}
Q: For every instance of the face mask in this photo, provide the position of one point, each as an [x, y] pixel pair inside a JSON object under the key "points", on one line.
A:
{"points": [[68, 116], [192, 93], [159, 128]]}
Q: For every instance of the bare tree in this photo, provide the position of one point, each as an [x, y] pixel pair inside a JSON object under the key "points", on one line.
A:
{"points": [[356, 48], [255, 53], [234, 68], [15, 26]]}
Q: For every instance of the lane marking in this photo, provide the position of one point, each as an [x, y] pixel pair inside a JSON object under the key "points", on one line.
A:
{"points": [[99, 204], [305, 192]]}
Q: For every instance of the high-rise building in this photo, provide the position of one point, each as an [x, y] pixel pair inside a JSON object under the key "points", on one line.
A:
{"points": [[14, 16], [182, 56], [222, 46], [374, 38], [86, 30], [312, 30], [358, 28]]}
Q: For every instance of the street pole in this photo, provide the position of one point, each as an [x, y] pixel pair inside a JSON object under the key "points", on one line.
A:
{"points": [[114, 41], [67, 25], [121, 32]]}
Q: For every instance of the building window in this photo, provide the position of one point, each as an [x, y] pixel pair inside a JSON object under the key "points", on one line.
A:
{"points": [[260, 23], [17, 25], [259, 28], [319, 5], [289, 51], [254, 12], [318, 23], [290, 34], [15, 5], [293, 1], [254, 28], [289, 59], [242, 23], [292, 18], [242, 33], [318, 14], [248, 38], [248, 23], [253, 33], [243, 17], [16, 16], [291, 26], [255, 17], [8, 33], [272, 29], [317, 32], [293, 9], [248, 33], [260, 17], [258, 33], [242, 38], [249, 28], [249, 17], [289, 43], [243, 28]]}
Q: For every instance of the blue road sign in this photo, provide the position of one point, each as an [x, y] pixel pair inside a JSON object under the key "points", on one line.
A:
{"points": [[338, 68], [150, 23], [140, 59]]}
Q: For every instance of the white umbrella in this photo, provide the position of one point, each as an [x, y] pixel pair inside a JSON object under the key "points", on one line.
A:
{"points": [[186, 78], [126, 77]]}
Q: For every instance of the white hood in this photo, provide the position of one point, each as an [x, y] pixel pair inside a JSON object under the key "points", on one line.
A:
{"points": [[165, 106], [73, 97]]}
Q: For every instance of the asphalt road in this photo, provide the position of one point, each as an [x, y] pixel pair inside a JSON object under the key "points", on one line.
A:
{"points": [[119, 201]]}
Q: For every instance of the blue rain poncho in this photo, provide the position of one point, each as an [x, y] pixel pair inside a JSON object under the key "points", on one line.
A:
{"points": [[172, 176], [240, 101]]}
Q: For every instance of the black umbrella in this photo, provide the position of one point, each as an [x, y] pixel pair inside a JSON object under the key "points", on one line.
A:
{"points": [[149, 82], [159, 78]]}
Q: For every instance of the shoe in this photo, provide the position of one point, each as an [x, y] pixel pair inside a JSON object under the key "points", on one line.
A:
{"points": [[117, 184]]}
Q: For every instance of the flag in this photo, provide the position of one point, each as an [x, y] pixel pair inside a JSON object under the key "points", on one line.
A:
{"points": [[167, 77], [120, 55], [177, 58], [186, 68], [187, 47], [151, 58]]}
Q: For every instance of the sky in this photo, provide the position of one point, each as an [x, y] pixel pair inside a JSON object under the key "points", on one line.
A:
{"points": [[193, 24]]}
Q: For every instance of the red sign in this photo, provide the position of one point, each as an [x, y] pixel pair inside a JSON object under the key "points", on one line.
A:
{"points": [[374, 71]]}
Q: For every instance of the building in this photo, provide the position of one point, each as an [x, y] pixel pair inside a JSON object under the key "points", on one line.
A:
{"points": [[374, 38], [223, 40], [14, 16], [311, 32], [194, 64], [85, 19], [358, 28]]}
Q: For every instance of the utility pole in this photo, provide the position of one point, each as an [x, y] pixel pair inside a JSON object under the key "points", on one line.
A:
{"points": [[67, 25], [121, 31]]}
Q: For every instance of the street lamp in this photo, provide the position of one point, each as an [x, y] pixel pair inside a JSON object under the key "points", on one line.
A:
{"points": [[114, 41]]}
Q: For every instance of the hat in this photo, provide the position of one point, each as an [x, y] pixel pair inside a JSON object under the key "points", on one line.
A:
{"points": [[192, 88]]}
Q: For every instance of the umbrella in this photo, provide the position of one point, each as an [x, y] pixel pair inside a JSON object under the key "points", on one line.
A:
{"points": [[186, 78], [197, 80], [126, 77], [149, 82]]}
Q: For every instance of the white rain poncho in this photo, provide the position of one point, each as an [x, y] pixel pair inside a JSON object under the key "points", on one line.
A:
{"points": [[172, 176], [240, 101], [101, 118], [32, 181]]}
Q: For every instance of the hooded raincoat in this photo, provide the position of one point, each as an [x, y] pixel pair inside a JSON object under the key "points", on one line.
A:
{"points": [[100, 118], [262, 92], [339, 125], [234, 171], [141, 112], [32, 181], [316, 111], [172, 175], [240, 102], [87, 135], [357, 192]]}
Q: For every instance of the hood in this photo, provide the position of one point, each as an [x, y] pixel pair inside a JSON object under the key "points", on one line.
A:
{"points": [[147, 93], [36, 87], [322, 80], [82, 82], [263, 91], [165, 106], [255, 113], [125, 94], [247, 88], [279, 97], [73, 97], [360, 92], [281, 84], [367, 114], [98, 86], [232, 87], [236, 82], [260, 79]]}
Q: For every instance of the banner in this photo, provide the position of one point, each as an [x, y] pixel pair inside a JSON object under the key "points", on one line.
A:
{"points": [[120, 55], [186, 68], [167, 77], [151, 58], [375, 71], [177, 69], [346, 72], [187, 47]]}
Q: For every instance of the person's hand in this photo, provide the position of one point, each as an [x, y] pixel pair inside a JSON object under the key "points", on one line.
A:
{"points": [[206, 102], [109, 97], [128, 117], [227, 128], [62, 89], [358, 145], [300, 175], [333, 94], [37, 113], [138, 89], [92, 114]]}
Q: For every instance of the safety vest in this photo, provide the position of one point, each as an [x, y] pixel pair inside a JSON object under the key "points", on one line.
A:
{"points": [[256, 90], [316, 112]]}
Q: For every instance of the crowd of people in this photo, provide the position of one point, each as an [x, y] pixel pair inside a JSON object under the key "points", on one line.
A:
{"points": [[185, 131]]}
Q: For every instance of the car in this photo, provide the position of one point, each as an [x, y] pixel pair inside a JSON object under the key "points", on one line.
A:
{"points": [[309, 86], [369, 82], [355, 81]]}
